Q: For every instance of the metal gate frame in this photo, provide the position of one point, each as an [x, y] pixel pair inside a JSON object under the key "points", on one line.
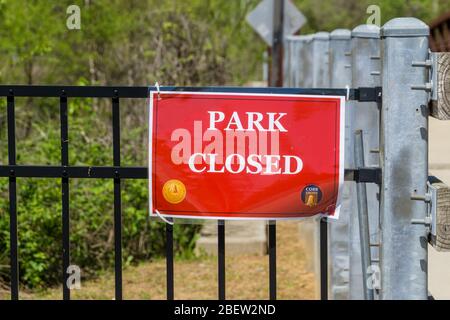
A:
{"points": [[65, 171]]}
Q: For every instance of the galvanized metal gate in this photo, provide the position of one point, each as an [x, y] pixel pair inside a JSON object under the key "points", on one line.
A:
{"points": [[375, 234]]}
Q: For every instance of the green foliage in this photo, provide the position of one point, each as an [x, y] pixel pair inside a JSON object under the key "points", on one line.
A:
{"points": [[327, 15], [120, 42], [123, 42], [129, 42], [91, 207]]}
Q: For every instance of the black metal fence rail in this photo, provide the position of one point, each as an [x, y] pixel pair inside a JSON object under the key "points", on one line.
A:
{"points": [[116, 172], [65, 172]]}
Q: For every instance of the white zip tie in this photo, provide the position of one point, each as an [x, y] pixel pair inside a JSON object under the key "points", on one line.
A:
{"points": [[162, 218], [157, 89], [348, 92]]}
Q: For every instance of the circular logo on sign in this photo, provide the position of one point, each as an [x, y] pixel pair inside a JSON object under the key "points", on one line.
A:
{"points": [[174, 191], [311, 195]]}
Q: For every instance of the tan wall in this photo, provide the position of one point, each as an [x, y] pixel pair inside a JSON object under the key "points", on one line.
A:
{"points": [[439, 159]]}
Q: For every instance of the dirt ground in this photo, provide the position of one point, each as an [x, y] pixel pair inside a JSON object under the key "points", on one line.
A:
{"points": [[246, 277]]}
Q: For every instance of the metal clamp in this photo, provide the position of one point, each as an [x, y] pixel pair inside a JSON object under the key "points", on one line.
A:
{"points": [[363, 175], [366, 94]]}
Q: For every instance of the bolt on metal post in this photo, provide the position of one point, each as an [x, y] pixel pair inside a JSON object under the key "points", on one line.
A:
{"points": [[366, 72], [339, 235], [404, 160], [363, 217]]}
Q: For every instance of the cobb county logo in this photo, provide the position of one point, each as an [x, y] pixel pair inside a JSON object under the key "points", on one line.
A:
{"points": [[174, 191], [311, 195]]}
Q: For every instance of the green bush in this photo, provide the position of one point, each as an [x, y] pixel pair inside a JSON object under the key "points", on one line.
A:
{"points": [[91, 201], [193, 42]]}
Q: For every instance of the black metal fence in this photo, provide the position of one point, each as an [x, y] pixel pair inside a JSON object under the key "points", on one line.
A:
{"points": [[117, 172]]}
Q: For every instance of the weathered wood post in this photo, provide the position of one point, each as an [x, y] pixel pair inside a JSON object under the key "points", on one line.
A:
{"points": [[404, 160], [440, 192], [440, 100], [440, 214]]}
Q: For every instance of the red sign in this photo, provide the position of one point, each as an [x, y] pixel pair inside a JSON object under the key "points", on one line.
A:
{"points": [[239, 155]]}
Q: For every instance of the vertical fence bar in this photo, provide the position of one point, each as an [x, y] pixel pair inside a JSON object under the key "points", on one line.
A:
{"points": [[221, 258], [117, 200], [323, 234], [404, 160], [366, 72], [345, 262], [65, 217], [272, 260], [14, 261], [169, 262], [363, 217]]}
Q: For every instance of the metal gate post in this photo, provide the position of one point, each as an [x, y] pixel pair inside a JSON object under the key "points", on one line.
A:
{"points": [[320, 62], [338, 230], [306, 58], [366, 73], [287, 61], [404, 160], [320, 78], [295, 64], [292, 63], [298, 64]]}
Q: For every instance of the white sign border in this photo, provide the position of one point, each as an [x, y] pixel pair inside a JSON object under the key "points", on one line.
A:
{"points": [[341, 154]]}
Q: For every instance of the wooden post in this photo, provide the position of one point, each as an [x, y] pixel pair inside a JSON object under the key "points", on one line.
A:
{"points": [[440, 233], [440, 104]]}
